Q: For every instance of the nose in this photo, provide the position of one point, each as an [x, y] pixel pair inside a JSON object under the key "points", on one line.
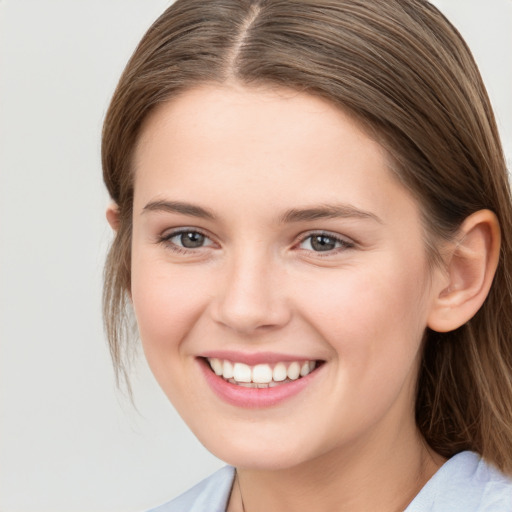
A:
{"points": [[251, 297]]}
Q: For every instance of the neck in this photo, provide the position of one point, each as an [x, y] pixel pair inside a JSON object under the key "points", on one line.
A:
{"points": [[354, 479]]}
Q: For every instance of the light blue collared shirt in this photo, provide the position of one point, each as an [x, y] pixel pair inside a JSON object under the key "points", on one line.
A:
{"points": [[465, 483]]}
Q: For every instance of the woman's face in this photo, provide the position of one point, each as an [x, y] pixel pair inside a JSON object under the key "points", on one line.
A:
{"points": [[269, 237]]}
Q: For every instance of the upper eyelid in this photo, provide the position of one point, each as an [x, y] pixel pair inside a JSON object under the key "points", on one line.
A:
{"points": [[338, 237], [170, 233]]}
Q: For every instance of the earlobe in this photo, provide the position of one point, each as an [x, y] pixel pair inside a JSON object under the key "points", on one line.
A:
{"points": [[112, 215], [471, 263]]}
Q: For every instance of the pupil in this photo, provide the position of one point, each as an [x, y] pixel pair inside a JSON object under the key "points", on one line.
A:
{"points": [[323, 243], [192, 240]]}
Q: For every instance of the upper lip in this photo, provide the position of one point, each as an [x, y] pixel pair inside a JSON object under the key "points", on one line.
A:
{"points": [[255, 358]]}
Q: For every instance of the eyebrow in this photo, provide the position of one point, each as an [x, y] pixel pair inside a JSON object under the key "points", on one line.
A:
{"points": [[327, 212], [178, 207], [290, 216]]}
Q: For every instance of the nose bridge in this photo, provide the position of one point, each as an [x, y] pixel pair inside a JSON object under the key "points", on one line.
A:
{"points": [[251, 296]]}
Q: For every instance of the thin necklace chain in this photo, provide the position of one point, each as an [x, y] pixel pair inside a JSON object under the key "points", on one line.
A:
{"points": [[240, 491]]}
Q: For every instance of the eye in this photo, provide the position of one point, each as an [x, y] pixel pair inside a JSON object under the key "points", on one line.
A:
{"points": [[186, 239], [323, 242], [190, 239]]}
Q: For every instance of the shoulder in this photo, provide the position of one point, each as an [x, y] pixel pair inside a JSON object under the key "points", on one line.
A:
{"points": [[209, 495], [465, 483]]}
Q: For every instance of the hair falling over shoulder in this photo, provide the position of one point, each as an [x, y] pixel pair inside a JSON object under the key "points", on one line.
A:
{"points": [[405, 73]]}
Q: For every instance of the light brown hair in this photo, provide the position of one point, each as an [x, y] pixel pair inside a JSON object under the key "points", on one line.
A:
{"points": [[402, 70]]}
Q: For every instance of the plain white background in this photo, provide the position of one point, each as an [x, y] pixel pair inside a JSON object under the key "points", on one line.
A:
{"points": [[69, 442]]}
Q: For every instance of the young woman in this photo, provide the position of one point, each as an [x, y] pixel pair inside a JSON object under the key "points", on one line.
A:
{"points": [[313, 222]]}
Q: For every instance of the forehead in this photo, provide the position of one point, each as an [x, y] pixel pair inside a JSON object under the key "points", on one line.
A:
{"points": [[273, 145], [256, 113]]}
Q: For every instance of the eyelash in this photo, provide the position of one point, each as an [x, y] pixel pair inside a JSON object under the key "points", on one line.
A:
{"points": [[166, 240], [343, 242], [336, 239]]}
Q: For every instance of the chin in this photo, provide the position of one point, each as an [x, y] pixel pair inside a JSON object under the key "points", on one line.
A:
{"points": [[258, 455]]}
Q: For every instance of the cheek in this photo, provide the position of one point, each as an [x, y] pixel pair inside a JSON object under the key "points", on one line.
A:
{"points": [[167, 303], [373, 320], [374, 330]]}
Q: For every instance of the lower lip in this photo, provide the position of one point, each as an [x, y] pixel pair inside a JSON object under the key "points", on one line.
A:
{"points": [[252, 398]]}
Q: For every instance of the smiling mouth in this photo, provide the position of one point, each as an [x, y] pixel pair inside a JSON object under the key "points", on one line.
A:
{"points": [[261, 375]]}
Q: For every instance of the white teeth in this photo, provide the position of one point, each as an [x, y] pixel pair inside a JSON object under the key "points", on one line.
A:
{"points": [[304, 369], [242, 372], [227, 371], [293, 371], [217, 366], [260, 375], [279, 373]]}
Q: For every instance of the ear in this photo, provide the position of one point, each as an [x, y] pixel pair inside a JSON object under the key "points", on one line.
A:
{"points": [[471, 262], [112, 215]]}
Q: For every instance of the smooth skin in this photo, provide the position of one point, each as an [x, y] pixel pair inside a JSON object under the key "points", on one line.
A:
{"points": [[233, 188]]}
